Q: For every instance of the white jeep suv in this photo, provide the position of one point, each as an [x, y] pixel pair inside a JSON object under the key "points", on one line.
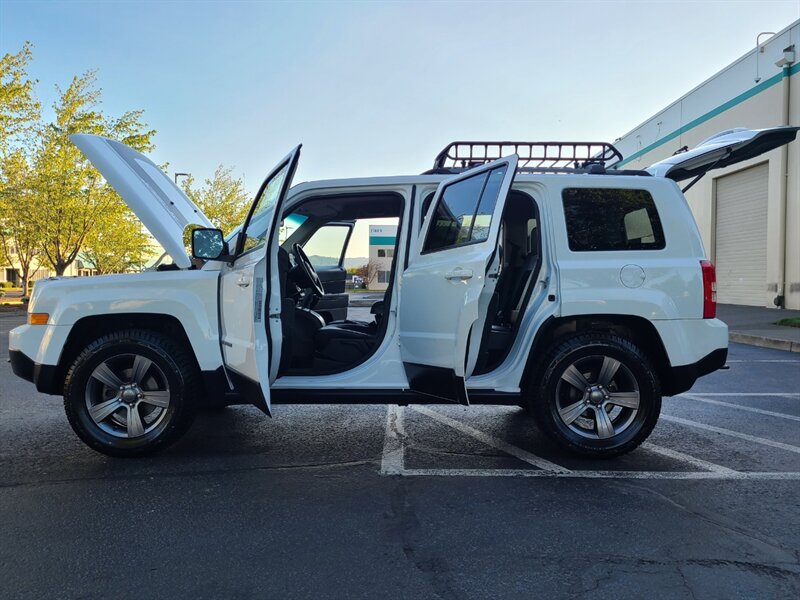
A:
{"points": [[522, 274]]}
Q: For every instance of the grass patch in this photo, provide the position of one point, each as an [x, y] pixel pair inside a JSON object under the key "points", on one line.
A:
{"points": [[790, 322]]}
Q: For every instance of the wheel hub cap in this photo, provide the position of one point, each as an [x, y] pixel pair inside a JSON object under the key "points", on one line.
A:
{"points": [[597, 395]]}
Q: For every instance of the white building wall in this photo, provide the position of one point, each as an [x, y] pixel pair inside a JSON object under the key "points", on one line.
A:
{"points": [[382, 239], [748, 93]]}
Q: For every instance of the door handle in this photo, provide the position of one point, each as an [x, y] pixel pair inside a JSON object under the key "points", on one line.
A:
{"points": [[243, 282], [461, 274]]}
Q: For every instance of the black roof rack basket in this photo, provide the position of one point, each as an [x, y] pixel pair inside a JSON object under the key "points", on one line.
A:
{"points": [[558, 157]]}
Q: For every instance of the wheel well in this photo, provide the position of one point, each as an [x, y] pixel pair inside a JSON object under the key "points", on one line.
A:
{"points": [[87, 329], [638, 330]]}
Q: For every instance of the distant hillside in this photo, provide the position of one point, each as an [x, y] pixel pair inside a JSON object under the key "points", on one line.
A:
{"points": [[331, 260], [355, 262]]}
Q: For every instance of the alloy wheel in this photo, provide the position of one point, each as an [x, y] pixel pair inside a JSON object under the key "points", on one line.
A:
{"points": [[127, 395], [597, 397]]}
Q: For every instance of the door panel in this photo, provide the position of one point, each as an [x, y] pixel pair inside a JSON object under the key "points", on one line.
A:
{"points": [[333, 305], [441, 289], [250, 305], [333, 279]]}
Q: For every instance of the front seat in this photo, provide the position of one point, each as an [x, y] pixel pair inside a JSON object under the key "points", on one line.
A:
{"points": [[377, 310], [344, 344]]}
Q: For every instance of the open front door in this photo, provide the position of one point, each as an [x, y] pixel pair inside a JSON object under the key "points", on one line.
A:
{"points": [[249, 294], [442, 287]]}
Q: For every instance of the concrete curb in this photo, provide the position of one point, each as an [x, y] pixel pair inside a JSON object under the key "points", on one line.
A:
{"points": [[764, 342]]}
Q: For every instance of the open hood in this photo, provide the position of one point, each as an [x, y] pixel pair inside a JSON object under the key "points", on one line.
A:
{"points": [[721, 150], [160, 204]]}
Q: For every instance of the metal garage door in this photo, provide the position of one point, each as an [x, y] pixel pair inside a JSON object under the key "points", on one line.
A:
{"points": [[741, 237]]}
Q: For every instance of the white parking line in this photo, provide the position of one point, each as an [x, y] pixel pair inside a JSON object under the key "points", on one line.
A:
{"points": [[687, 458], [752, 409], [737, 475], [736, 434], [492, 441], [766, 360], [746, 394], [393, 461]]}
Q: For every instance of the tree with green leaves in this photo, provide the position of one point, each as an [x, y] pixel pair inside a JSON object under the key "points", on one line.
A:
{"points": [[19, 108], [120, 248], [73, 198], [222, 198], [19, 231], [19, 118]]}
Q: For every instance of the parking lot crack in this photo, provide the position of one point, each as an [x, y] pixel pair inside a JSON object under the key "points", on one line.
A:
{"points": [[717, 522], [410, 532]]}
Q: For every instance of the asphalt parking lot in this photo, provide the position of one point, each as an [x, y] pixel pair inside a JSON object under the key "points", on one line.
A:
{"points": [[415, 502]]}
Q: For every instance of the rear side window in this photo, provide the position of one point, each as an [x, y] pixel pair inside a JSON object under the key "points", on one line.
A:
{"points": [[611, 219], [464, 212]]}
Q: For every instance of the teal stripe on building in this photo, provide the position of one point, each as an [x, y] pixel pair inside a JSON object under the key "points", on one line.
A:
{"points": [[381, 240]]}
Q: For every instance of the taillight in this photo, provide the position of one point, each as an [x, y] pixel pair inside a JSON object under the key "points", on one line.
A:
{"points": [[709, 289]]}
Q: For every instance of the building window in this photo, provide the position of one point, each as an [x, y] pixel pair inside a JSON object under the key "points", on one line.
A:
{"points": [[383, 276], [381, 253], [611, 219]]}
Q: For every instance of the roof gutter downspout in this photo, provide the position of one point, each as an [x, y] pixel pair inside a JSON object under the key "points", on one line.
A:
{"points": [[783, 193]]}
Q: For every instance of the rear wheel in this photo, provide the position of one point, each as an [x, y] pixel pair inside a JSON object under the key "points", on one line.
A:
{"points": [[597, 395], [131, 393]]}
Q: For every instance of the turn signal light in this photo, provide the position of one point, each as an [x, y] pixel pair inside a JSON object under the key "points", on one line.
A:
{"points": [[38, 318]]}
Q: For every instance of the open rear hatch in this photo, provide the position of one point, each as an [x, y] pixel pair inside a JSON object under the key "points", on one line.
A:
{"points": [[722, 150]]}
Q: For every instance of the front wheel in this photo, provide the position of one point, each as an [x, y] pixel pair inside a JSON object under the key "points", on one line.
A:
{"points": [[597, 395], [131, 393]]}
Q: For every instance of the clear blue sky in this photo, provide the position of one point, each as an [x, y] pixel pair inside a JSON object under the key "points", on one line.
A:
{"points": [[379, 88]]}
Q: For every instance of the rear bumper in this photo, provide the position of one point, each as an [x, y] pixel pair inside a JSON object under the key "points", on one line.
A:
{"points": [[42, 376], [682, 378]]}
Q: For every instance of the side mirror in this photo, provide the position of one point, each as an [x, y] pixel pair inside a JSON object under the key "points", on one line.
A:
{"points": [[208, 244]]}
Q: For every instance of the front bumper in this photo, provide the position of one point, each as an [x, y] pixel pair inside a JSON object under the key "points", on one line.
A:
{"points": [[42, 376]]}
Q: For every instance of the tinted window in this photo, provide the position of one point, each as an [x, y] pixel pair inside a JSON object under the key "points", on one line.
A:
{"points": [[609, 219], [464, 211]]}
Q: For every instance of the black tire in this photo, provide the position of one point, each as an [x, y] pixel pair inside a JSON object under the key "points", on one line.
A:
{"points": [[174, 365], [547, 393]]}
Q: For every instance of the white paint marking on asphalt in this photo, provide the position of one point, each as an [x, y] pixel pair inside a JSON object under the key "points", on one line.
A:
{"points": [[492, 441], [687, 458], [760, 411], [767, 360], [736, 434], [393, 461], [745, 394], [736, 475]]}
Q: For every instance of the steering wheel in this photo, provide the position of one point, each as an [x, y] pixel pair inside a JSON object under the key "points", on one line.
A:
{"points": [[308, 270]]}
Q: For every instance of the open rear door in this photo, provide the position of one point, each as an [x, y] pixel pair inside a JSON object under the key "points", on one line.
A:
{"points": [[249, 294], [441, 289]]}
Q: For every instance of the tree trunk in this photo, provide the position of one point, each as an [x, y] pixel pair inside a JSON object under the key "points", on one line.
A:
{"points": [[25, 272], [60, 267]]}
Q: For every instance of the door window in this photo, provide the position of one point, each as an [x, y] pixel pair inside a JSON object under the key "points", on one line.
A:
{"points": [[257, 226], [463, 213], [325, 248]]}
